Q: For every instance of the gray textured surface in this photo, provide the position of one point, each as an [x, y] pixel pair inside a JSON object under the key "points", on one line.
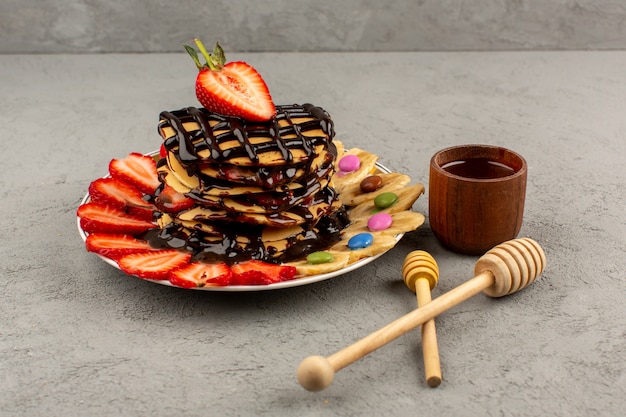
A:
{"points": [[80, 338], [297, 25]]}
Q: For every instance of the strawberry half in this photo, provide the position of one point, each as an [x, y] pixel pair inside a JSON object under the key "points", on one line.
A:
{"points": [[114, 246], [171, 201], [198, 274], [260, 273], [137, 169], [101, 218], [153, 265], [118, 193], [234, 89]]}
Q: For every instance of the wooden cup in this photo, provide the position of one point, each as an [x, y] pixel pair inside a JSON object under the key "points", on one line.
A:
{"points": [[476, 197]]}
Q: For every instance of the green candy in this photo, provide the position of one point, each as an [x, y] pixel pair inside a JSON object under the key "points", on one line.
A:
{"points": [[320, 258], [385, 200]]}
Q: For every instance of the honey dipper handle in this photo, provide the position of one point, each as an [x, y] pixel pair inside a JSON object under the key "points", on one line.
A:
{"points": [[404, 324], [430, 349]]}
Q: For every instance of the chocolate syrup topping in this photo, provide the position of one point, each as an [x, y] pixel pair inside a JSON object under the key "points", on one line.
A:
{"points": [[191, 143], [267, 177], [205, 144], [271, 201], [229, 248]]}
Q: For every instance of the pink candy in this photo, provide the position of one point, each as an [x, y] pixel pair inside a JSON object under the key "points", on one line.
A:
{"points": [[379, 221], [349, 163]]}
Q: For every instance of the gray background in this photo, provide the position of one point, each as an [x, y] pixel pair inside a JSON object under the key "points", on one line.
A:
{"points": [[36, 26], [80, 338]]}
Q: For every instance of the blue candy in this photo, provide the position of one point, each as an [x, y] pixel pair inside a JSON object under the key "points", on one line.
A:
{"points": [[360, 241]]}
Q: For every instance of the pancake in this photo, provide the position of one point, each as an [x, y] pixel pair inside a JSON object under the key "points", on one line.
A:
{"points": [[290, 138], [206, 186], [237, 242], [320, 204]]}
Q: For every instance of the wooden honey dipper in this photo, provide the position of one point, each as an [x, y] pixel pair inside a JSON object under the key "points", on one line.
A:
{"points": [[503, 270], [421, 274]]}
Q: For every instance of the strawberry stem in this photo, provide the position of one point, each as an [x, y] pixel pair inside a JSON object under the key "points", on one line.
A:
{"points": [[204, 53], [218, 54], [214, 62], [194, 55]]}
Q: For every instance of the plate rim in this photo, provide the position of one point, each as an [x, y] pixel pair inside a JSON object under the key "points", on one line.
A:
{"points": [[296, 282]]}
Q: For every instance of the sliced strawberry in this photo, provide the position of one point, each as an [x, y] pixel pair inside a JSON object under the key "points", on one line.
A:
{"points": [[235, 89], [171, 201], [114, 246], [154, 264], [199, 274], [101, 218], [235, 173], [260, 273], [137, 169], [119, 193]]}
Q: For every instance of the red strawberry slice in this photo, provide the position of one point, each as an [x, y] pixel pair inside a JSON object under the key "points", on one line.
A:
{"points": [[101, 218], [260, 273], [121, 194], [235, 89], [137, 169], [153, 265], [114, 246], [171, 201], [198, 274], [234, 173]]}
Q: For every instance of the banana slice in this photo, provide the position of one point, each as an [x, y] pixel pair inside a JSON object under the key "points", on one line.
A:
{"points": [[351, 194], [341, 180], [380, 244], [303, 268], [406, 197], [402, 222]]}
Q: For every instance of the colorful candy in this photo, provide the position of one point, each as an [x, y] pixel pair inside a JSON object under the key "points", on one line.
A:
{"points": [[360, 241], [320, 257], [349, 163], [379, 221], [385, 200], [371, 183]]}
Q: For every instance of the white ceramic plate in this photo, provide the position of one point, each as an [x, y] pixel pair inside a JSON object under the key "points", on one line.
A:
{"points": [[278, 285]]}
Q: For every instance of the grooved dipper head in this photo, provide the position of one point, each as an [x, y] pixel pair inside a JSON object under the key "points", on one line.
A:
{"points": [[417, 265], [515, 264]]}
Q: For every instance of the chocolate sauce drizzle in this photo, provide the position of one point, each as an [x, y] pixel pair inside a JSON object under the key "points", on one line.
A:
{"points": [[190, 144], [230, 249], [270, 178], [320, 229]]}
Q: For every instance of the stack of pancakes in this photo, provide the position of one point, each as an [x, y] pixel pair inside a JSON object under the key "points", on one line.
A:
{"points": [[262, 190]]}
